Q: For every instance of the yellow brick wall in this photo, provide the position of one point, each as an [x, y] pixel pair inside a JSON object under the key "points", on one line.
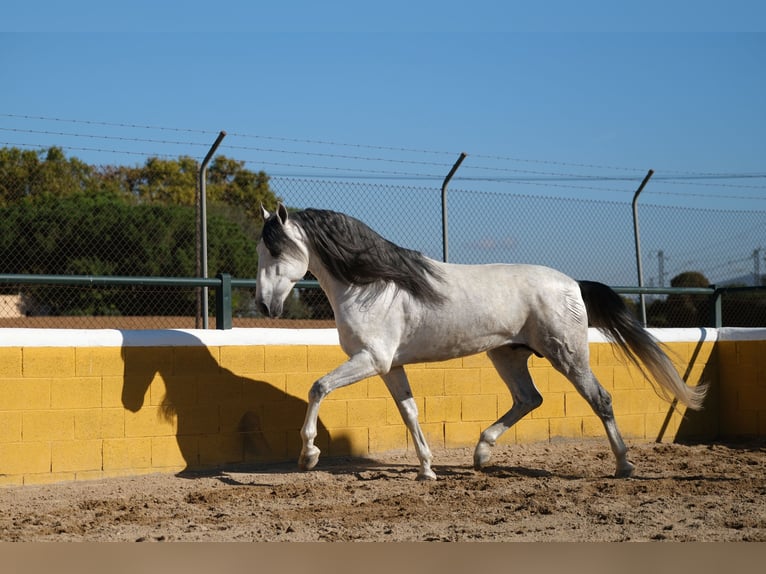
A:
{"points": [[743, 387], [71, 413]]}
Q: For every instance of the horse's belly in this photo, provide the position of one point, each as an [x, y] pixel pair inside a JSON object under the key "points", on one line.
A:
{"points": [[443, 346]]}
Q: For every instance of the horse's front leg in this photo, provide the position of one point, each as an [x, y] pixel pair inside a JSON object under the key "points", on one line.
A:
{"points": [[399, 387], [358, 367]]}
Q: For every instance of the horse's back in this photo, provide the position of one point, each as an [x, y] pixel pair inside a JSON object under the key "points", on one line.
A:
{"points": [[488, 306]]}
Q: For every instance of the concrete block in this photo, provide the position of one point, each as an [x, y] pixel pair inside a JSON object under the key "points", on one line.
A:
{"points": [[434, 434], [481, 408], [558, 383], [333, 414], [376, 388], [570, 427], [604, 375], [356, 390], [553, 406], [99, 361], [25, 394], [25, 457], [575, 405], [348, 441], [10, 426], [285, 415], [48, 362], [752, 397], [99, 423], [388, 438], [151, 421], [606, 354], [461, 434], [45, 425], [74, 393], [285, 359], [242, 360], [532, 430], [479, 361], [146, 361], [200, 361], [461, 381], [324, 358], [10, 362], [490, 382], [592, 427], [214, 389], [127, 453], [218, 449], [175, 452], [442, 409], [632, 426], [366, 412], [426, 382], [540, 377], [456, 363], [76, 455]]}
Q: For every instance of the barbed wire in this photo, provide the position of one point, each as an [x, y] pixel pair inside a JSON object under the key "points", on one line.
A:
{"points": [[554, 179], [360, 146]]}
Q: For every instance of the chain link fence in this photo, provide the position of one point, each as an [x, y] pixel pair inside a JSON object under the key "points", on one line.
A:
{"points": [[587, 239]]}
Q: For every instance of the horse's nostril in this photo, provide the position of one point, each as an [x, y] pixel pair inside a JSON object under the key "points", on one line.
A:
{"points": [[264, 309]]}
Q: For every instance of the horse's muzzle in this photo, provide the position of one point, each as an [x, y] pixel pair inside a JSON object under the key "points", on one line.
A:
{"points": [[273, 312], [264, 309]]}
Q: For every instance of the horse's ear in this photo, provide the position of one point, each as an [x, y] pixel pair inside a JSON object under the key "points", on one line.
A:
{"points": [[265, 214], [282, 213]]}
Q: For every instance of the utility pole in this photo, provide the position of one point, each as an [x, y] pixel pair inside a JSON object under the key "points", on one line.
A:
{"points": [[757, 266], [661, 267]]}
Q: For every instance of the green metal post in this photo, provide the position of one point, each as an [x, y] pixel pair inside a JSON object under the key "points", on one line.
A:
{"points": [[223, 302], [718, 308]]}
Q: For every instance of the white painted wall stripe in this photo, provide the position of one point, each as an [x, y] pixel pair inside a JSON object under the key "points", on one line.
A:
{"points": [[247, 337]]}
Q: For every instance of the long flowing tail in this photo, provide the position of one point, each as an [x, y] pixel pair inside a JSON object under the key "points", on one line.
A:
{"points": [[608, 313]]}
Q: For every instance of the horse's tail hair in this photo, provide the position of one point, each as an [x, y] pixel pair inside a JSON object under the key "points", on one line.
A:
{"points": [[608, 313]]}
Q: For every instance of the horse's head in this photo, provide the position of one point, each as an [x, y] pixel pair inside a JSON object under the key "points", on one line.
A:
{"points": [[283, 260]]}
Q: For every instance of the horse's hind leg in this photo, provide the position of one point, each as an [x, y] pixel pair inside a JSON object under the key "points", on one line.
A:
{"points": [[511, 364], [601, 403], [576, 367], [399, 386]]}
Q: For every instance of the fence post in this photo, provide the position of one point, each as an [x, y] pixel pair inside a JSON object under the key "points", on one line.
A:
{"points": [[202, 210], [445, 243], [223, 302], [717, 311], [638, 243]]}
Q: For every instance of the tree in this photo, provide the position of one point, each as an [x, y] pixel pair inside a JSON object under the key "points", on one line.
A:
{"points": [[25, 173], [682, 310], [236, 186], [61, 216], [103, 234]]}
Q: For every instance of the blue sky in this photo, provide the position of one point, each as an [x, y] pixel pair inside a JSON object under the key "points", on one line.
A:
{"points": [[549, 93]]}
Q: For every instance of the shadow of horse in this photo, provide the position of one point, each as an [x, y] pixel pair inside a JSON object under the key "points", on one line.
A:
{"points": [[221, 419]]}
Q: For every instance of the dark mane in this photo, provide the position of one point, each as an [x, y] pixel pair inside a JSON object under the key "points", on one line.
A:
{"points": [[354, 253]]}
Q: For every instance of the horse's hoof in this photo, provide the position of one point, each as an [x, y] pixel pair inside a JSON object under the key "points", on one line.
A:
{"points": [[427, 475], [625, 470], [309, 459], [481, 455]]}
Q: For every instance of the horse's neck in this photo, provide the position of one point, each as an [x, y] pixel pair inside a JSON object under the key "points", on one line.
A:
{"points": [[329, 284]]}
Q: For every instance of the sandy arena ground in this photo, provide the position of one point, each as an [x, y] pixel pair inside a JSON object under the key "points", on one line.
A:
{"points": [[561, 491]]}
